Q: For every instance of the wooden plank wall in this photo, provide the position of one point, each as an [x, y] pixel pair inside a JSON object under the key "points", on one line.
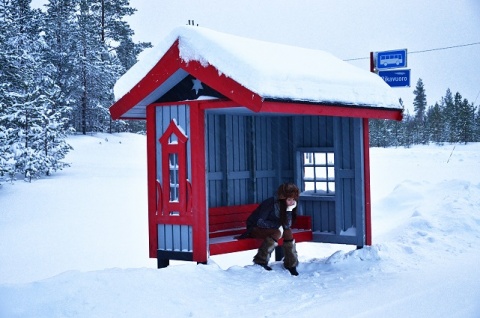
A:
{"points": [[247, 157], [173, 237]]}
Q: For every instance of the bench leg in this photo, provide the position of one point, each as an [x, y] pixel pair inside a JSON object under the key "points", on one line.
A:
{"points": [[279, 254], [162, 263]]}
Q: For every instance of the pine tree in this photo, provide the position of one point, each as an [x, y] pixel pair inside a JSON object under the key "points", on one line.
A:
{"points": [[466, 121], [435, 124], [420, 106], [455, 120], [450, 116], [61, 38], [117, 34], [409, 130], [397, 131], [6, 76]]}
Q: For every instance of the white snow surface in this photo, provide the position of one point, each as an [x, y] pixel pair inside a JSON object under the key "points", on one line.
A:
{"points": [[269, 69], [75, 245]]}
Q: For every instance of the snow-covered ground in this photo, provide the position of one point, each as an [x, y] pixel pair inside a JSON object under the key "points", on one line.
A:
{"points": [[75, 245]]}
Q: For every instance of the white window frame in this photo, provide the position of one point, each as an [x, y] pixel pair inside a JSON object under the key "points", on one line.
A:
{"points": [[317, 171]]}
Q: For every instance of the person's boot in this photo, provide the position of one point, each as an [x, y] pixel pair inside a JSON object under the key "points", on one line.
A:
{"points": [[290, 261], [263, 255]]}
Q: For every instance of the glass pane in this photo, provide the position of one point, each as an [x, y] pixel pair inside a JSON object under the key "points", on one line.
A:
{"points": [[320, 173], [173, 161], [331, 173], [320, 158], [309, 186], [173, 194], [321, 186], [330, 158], [173, 178], [308, 172], [331, 187], [307, 158]]}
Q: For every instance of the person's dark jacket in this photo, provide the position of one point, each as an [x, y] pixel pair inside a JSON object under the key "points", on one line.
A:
{"points": [[267, 216]]}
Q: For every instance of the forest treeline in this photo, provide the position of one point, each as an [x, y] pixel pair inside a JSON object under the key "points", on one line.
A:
{"points": [[453, 119]]}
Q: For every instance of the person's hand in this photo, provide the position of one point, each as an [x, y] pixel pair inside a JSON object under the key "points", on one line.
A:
{"points": [[291, 207]]}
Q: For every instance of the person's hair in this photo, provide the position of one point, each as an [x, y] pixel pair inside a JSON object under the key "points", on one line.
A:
{"points": [[288, 190]]}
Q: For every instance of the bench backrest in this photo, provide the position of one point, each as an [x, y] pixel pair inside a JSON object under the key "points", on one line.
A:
{"points": [[229, 217], [234, 217]]}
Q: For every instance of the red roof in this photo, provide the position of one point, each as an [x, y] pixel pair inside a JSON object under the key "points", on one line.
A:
{"points": [[171, 69]]}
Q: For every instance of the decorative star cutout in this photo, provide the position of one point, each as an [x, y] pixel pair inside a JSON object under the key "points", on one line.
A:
{"points": [[197, 85]]}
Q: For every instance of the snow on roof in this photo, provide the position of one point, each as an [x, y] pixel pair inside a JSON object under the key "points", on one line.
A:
{"points": [[271, 70]]}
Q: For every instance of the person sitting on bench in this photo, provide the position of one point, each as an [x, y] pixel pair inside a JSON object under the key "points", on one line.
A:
{"points": [[272, 220]]}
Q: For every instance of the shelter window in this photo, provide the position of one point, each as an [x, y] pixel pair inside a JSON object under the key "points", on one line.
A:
{"points": [[174, 177], [318, 172]]}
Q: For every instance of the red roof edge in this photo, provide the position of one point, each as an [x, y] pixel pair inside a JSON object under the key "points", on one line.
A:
{"points": [[164, 68], [300, 108], [168, 65]]}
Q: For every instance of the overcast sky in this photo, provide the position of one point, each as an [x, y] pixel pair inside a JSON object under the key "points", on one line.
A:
{"points": [[348, 29]]}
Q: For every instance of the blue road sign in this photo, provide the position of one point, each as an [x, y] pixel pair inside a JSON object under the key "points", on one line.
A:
{"points": [[396, 78], [391, 59]]}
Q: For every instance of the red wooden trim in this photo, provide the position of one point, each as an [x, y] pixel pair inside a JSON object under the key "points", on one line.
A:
{"points": [[366, 159], [165, 67], [224, 85], [330, 110], [198, 166], [303, 222], [159, 198], [189, 197], [178, 148], [152, 182], [233, 217], [176, 220]]}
